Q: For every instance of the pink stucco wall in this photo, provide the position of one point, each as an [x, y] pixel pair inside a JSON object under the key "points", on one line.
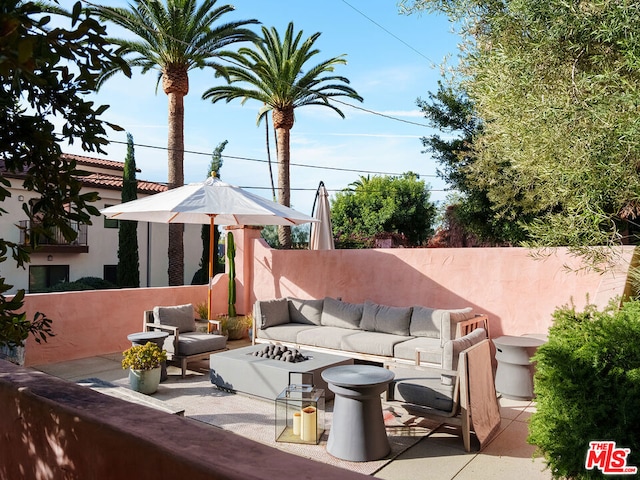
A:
{"points": [[96, 322], [517, 291]]}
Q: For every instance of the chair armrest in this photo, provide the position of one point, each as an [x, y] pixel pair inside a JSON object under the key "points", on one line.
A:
{"points": [[158, 326], [418, 359], [467, 326]]}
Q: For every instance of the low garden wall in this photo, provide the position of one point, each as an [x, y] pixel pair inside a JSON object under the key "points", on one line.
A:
{"points": [[517, 291], [53, 429]]}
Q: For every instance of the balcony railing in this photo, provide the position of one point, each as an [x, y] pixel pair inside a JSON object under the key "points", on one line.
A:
{"points": [[56, 241]]}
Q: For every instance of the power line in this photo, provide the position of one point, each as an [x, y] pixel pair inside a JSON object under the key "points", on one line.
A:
{"points": [[333, 99], [389, 32], [302, 165]]}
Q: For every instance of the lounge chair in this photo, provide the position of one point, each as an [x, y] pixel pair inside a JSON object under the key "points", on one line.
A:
{"points": [[184, 344], [462, 393]]}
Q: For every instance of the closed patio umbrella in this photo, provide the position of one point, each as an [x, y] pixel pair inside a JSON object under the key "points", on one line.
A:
{"points": [[321, 237], [210, 202]]}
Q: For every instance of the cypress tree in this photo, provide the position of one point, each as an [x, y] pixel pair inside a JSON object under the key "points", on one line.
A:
{"points": [[202, 274], [128, 260]]}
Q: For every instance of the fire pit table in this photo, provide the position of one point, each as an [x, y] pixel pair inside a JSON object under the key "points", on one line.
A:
{"points": [[239, 370]]}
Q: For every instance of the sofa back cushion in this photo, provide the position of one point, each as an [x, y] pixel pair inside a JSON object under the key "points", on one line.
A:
{"points": [[384, 319], [452, 348], [269, 313], [180, 316], [336, 313], [427, 322], [307, 312]]}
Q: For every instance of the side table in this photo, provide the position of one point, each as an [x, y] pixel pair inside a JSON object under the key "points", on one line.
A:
{"points": [[141, 338], [514, 375], [357, 431]]}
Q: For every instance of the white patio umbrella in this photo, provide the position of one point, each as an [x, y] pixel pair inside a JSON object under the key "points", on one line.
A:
{"points": [[321, 237], [210, 202]]}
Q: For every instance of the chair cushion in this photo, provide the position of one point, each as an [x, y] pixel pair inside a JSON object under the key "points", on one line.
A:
{"points": [[193, 343], [452, 348], [272, 312], [180, 316], [422, 387], [308, 312], [336, 313]]}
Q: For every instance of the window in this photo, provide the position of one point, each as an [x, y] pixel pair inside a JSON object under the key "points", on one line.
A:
{"points": [[43, 277], [110, 273], [110, 222]]}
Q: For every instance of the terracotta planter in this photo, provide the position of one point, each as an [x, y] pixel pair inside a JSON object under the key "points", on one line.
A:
{"points": [[144, 381]]}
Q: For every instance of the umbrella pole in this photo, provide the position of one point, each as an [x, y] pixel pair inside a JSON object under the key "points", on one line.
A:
{"points": [[211, 263]]}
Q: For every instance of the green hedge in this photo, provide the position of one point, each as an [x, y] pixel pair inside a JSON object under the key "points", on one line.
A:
{"points": [[587, 384]]}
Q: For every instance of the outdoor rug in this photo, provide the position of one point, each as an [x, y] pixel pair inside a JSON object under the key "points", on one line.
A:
{"points": [[254, 418]]}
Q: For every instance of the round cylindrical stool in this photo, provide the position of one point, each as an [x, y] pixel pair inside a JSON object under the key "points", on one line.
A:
{"points": [[357, 431], [514, 375]]}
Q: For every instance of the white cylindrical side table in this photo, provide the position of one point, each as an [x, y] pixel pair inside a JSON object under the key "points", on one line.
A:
{"points": [[514, 375]]}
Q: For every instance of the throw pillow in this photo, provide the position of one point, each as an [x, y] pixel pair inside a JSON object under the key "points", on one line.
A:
{"points": [[308, 312], [272, 312], [341, 314], [368, 321], [394, 320], [426, 322], [180, 316]]}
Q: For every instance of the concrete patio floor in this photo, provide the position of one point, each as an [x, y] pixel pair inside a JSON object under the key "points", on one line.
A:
{"points": [[438, 456]]}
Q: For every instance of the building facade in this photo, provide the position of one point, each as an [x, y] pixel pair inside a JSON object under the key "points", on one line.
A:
{"points": [[94, 253]]}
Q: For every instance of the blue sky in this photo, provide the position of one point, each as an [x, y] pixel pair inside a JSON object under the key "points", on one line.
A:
{"points": [[392, 59]]}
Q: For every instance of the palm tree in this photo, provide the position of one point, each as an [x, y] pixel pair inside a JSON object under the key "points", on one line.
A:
{"points": [[175, 36], [273, 74]]}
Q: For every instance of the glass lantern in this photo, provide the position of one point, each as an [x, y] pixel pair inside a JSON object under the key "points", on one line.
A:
{"points": [[300, 412]]}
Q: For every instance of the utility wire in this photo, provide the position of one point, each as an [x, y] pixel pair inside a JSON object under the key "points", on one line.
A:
{"points": [[302, 165], [356, 107], [390, 33]]}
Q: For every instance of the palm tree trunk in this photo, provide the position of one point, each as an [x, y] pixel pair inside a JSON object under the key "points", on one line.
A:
{"points": [[175, 178], [284, 193]]}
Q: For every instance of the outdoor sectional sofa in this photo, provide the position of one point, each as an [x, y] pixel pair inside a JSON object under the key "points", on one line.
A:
{"points": [[366, 331]]}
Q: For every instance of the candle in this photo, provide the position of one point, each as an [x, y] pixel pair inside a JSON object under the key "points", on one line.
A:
{"points": [[309, 424], [296, 423]]}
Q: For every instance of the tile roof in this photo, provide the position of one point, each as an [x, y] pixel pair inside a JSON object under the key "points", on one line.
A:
{"points": [[101, 180], [96, 162], [114, 182]]}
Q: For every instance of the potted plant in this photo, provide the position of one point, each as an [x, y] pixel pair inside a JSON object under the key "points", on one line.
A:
{"points": [[143, 362]]}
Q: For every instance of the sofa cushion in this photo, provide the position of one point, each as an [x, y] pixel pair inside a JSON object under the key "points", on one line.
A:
{"points": [[368, 321], [371, 343], [287, 332], [308, 312], [272, 312], [426, 322], [394, 320], [432, 351], [336, 313], [325, 337], [384, 319], [452, 348], [180, 316]]}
